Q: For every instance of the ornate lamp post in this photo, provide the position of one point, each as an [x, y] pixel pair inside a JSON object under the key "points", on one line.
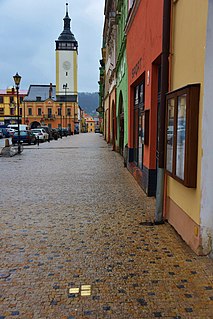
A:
{"points": [[61, 104], [17, 80], [65, 89]]}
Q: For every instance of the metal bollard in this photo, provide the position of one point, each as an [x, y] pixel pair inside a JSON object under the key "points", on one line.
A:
{"points": [[38, 140]]}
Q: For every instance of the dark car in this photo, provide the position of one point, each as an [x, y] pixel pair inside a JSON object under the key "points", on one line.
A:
{"points": [[5, 132], [76, 130], [26, 137], [55, 134], [1, 133], [63, 132]]}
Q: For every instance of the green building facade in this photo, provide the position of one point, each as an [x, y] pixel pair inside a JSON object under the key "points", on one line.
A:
{"points": [[122, 80]]}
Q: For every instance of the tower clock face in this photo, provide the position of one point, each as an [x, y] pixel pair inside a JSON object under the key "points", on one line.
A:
{"points": [[66, 65]]}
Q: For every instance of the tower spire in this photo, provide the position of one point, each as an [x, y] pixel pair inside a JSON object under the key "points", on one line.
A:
{"points": [[66, 34]]}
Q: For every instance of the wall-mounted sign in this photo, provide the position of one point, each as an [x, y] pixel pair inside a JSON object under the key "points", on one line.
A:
{"points": [[136, 68]]}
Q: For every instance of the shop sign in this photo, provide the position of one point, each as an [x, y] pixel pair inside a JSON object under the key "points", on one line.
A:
{"points": [[136, 68]]}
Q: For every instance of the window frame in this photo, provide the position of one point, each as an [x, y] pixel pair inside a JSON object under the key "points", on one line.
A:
{"points": [[30, 111], [138, 109], [192, 93]]}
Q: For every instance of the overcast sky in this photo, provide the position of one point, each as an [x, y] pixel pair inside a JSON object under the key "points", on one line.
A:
{"points": [[28, 30]]}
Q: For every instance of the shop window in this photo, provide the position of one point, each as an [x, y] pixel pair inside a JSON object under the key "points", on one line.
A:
{"points": [[182, 134], [138, 124]]}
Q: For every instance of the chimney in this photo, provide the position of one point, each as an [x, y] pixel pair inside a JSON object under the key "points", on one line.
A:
{"points": [[50, 90]]}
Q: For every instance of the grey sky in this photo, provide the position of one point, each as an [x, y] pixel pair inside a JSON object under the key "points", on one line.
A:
{"points": [[28, 30]]}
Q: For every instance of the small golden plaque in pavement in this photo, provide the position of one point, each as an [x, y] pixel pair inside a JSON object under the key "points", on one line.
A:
{"points": [[86, 287], [74, 290], [86, 293]]}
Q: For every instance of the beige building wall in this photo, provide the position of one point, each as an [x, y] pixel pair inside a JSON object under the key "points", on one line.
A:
{"points": [[189, 20]]}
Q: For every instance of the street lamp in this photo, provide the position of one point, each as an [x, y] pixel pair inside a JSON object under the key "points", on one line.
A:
{"points": [[17, 80], [65, 89], [61, 104]]}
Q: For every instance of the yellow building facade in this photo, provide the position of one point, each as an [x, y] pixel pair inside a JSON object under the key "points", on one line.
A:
{"points": [[90, 122], [8, 106], [183, 195]]}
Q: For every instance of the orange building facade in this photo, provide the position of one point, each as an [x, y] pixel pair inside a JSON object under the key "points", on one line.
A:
{"points": [[42, 108], [144, 89]]}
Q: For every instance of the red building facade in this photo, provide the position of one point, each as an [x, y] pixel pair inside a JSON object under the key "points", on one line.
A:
{"points": [[144, 48]]}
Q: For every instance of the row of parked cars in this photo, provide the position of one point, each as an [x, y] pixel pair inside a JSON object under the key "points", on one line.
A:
{"points": [[41, 134]]}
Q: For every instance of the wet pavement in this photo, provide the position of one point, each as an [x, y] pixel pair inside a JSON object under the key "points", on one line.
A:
{"points": [[74, 244]]}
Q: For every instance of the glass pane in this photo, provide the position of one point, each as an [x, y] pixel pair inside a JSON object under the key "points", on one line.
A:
{"points": [[136, 95], [141, 97], [170, 134], [140, 154], [136, 135], [181, 136]]}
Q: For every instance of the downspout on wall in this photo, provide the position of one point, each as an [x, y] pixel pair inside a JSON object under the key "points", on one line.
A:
{"points": [[162, 110]]}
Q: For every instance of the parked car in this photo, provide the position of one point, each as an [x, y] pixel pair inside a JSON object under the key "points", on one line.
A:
{"points": [[76, 130], [25, 137], [11, 131], [48, 131], [5, 132], [1, 133], [41, 134], [55, 134], [63, 132]]}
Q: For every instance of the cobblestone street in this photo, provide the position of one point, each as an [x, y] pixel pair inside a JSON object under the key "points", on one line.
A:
{"points": [[74, 246]]}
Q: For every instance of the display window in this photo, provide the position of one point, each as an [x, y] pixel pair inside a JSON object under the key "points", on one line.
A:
{"points": [[182, 134], [138, 124]]}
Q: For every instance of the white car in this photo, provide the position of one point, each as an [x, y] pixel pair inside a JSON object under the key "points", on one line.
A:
{"points": [[40, 133]]}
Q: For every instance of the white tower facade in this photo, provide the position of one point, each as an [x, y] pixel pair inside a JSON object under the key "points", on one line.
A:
{"points": [[67, 64]]}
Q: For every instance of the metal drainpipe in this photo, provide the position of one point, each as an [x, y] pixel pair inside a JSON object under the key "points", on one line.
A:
{"points": [[161, 129]]}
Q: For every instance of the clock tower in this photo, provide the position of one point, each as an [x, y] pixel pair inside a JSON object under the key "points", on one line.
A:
{"points": [[67, 64]]}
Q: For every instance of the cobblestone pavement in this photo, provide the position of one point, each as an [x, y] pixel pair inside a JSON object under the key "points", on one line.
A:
{"points": [[73, 242]]}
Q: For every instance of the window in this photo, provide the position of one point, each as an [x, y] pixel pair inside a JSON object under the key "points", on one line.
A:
{"points": [[39, 111], [59, 111], [68, 112], [20, 111], [30, 111], [38, 98], [131, 3], [138, 124], [49, 110], [182, 134], [1, 99], [21, 99], [11, 99], [1, 111], [12, 111]]}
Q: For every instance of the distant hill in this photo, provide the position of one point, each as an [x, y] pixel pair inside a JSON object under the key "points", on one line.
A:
{"points": [[89, 102]]}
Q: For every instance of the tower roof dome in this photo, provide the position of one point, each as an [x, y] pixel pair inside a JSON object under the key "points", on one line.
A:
{"points": [[66, 34]]}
